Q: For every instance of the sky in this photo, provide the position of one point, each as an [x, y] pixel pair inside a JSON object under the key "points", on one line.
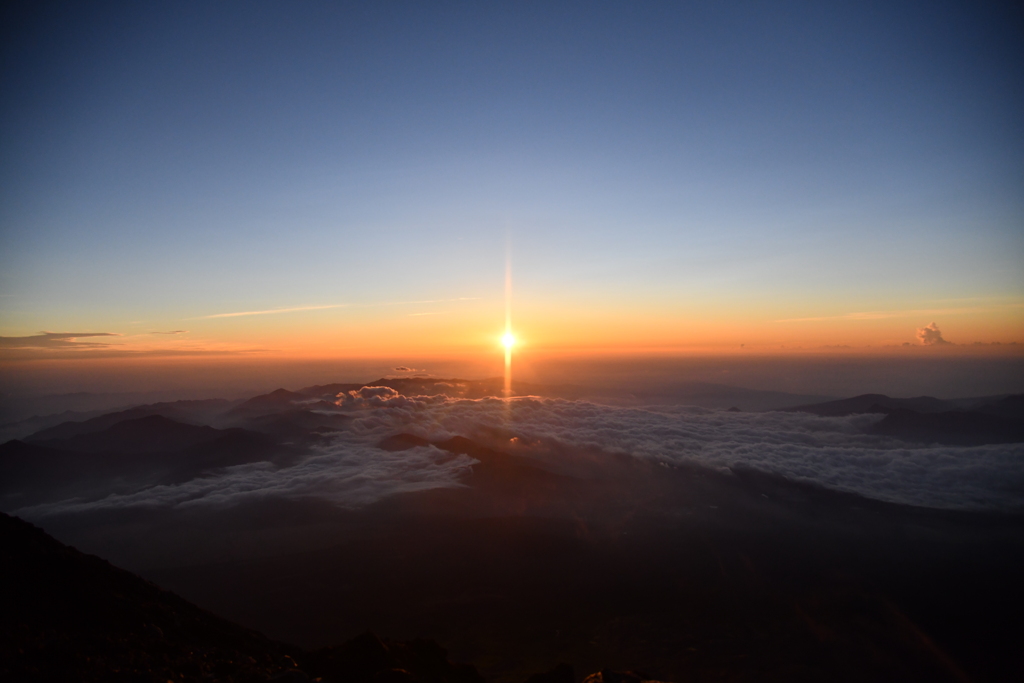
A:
{"points": [[334, 180]]}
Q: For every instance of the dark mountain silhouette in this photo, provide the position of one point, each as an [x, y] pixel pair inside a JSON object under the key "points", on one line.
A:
{"points": [[273, 402], [298, 423], [70, 616], [32, 474], [329, 391], [233, 447], [21, 429], [500, 480], [951, 428], [151, 434], [705, 394], [131, 454], [874, 403], [499, 473], [1011, 407], [976, 402], [28, 406], [931, 420], [21, 462], [192, 412], [73, 617]]}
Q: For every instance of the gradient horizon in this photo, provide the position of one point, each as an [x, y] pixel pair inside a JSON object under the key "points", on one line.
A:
{"points": [[252, 181]]}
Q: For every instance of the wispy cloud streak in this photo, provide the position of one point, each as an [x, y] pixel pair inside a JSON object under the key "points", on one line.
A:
{"points": [[55, 340], [272, 311]]}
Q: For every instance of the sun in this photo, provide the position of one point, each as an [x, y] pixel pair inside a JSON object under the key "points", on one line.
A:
{"points": [[508, 340]]}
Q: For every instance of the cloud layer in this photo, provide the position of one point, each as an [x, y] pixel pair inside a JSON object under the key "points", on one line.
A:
{"points": [[836, 453], [350, 474], [55, 340]]}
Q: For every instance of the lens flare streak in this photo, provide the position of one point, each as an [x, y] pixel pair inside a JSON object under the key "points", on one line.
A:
{"points": [[508, 340]]}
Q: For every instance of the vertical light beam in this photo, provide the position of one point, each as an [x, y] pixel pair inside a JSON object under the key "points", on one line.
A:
{"points": [[508, 322]]}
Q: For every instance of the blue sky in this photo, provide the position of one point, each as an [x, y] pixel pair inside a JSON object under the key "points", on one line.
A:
{"points": [[710, 161]]}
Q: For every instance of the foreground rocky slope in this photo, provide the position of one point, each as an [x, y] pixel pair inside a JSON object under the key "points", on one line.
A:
{"points": [[68, 616]]}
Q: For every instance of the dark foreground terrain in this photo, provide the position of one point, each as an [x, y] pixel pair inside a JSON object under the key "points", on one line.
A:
{"points": [[74, 617], [683, 573], [541, 555], [747, 590]]}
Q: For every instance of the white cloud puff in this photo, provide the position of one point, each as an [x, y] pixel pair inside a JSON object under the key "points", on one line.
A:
{"points": [[929, 335], [383, 397]]}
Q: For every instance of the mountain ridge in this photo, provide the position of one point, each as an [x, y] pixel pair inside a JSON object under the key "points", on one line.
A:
{"points": [[72, 616]]}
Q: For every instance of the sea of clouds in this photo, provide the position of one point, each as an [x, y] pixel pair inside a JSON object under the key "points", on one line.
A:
{"points": [[834, 452]]}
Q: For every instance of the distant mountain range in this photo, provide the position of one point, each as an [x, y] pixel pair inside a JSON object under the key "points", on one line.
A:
{"points": [[190, 412], [126, 456], [252, 429], [962, 422], [170, 442], [542, 524]]}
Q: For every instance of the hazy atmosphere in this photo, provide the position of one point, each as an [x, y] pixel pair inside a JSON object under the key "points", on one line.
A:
{"points": [[503, 342], [330, 180]]}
